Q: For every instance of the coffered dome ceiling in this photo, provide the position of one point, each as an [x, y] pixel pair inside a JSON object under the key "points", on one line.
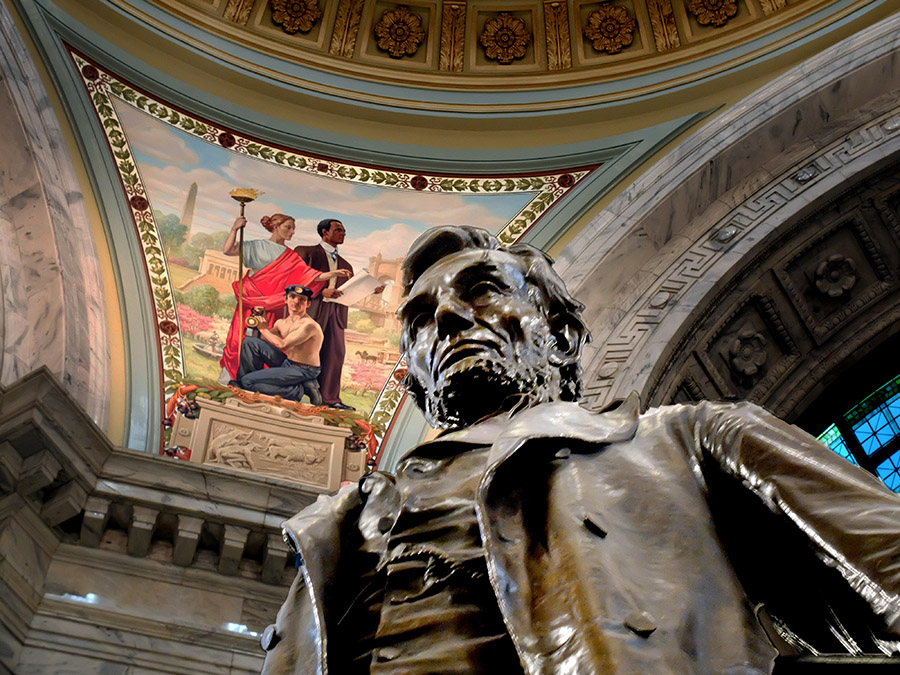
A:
{"points": [[589, 51]]}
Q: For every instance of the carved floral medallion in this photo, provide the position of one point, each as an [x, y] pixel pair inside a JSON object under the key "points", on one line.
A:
{"points": [[610, 28], [505, 38], [294, 15], [747, 354], [399, 32], [835, 276], [715, 12]]}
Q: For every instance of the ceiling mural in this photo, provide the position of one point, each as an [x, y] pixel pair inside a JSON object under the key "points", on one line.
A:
{"points": [[187, 180]]}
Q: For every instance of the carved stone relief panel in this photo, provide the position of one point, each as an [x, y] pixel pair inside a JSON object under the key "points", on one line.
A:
{"points": [[749, 351], [811, 301], [835, 275], [240, 447]]}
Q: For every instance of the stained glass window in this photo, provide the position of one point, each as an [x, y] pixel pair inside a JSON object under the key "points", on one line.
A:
{"points": [[869, 434], [833, 439]]}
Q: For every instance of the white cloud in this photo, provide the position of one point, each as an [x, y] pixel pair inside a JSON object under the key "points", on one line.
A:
{"points": [[391, 243], [154, 138]]}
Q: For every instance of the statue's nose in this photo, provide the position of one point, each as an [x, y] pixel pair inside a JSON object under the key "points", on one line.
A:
{"points": [[451, 317]]}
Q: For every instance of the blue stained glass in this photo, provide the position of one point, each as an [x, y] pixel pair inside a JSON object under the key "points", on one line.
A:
{"points": [[833, 439], [889, 472], [880, 426]]}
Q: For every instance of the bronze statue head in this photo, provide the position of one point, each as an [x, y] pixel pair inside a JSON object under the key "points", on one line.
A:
{"points": [[485, 328]]}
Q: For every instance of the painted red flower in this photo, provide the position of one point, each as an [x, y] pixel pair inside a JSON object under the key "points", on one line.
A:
{"points": [[322, 166], [139, 203], [227, 140], [567, 180], [168, 327], [419, 182], [90, 72]]}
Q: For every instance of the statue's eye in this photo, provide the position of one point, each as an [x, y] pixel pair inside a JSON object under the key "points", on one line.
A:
{"points": [[481, 290], [418, 322]]}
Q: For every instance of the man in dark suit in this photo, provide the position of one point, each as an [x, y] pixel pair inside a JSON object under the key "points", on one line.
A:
{"points": [[331, 316]]}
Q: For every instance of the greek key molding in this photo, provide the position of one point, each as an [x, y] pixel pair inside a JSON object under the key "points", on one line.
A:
{"points": [[630, 337]]}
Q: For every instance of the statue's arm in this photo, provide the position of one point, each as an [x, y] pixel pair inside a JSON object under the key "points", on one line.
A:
{"points": [[852, 521]]}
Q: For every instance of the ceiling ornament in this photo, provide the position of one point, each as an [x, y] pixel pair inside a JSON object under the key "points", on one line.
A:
{"points": [[663, 24], [453, 37], [715, 12], [399, 32], [295, 15], [556, 25], [238, 11], [346, 28], [610, 28], [505, 38], [836, 275]]}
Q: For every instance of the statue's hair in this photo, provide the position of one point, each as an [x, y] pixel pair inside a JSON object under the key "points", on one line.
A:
{"points": [[546, 290]]}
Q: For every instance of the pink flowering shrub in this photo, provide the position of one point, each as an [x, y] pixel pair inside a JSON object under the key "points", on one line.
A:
{"points": [[192, 322]]}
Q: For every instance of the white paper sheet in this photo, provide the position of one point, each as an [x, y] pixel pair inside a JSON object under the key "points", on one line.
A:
{"points": [[357, 288]]}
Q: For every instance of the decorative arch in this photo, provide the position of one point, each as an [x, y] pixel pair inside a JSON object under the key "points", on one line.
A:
{"points": [[650, 264]]}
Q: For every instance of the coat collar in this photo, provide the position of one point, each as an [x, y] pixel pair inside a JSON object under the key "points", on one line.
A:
{"points": [[557, 420]]}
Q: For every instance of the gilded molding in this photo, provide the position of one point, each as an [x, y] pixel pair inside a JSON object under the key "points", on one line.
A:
{"points": [[505, 38], [399, 32], [453, 37], [662, 22], [610, 28], [559, 45], [295, 15], [715, 12], [238, 11], [772, 6], [346, 28]]}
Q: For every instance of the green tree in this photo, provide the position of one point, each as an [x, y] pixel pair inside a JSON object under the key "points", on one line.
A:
{"points": [[204, 299], [171, 231], [199, 243], [227, 305]]}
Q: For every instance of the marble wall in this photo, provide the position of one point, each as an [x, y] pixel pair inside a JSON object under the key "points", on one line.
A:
{"points": [[647, 264], [53, 313]]}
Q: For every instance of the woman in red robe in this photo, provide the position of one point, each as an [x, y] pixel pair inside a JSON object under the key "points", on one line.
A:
{"points": [[271, 266]]}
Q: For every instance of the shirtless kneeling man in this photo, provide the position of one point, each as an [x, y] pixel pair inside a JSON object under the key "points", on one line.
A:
{"points": [[290, 349]]}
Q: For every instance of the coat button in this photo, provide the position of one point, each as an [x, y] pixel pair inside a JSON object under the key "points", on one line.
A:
{"points": [[640, 623], [269, 638], [385, 524], [387, 653]]}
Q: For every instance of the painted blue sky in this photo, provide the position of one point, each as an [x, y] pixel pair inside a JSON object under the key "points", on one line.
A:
{"points": [[377, 219]]}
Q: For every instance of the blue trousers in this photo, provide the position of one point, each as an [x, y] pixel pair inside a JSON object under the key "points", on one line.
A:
{"points": [[282, 378]]}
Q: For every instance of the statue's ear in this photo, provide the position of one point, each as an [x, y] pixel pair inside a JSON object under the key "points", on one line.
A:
{"points": [[568, 338]]}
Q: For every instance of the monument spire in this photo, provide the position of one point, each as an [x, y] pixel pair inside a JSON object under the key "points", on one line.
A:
{"points": [[187, 215]]}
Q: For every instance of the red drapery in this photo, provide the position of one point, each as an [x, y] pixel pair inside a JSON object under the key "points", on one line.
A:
{"points": [[266, 289]]}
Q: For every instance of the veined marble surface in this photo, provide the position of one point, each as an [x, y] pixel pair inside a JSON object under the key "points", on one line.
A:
{"points": [[53, 311], [645, 263]]}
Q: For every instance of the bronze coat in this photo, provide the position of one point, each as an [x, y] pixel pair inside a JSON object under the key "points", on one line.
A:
{"points": [[601, 545]]}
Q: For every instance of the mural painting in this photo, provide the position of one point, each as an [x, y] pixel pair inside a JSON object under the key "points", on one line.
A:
{"points": [[200, 195]]}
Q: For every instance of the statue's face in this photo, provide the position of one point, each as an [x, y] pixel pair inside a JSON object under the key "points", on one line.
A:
{"points": [[475, 340]]}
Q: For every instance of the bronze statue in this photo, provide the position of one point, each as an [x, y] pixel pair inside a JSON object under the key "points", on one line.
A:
{"points": [[535, 536]]}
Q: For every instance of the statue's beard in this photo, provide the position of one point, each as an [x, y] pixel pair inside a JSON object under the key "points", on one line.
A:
{"points": [[481, 387]]}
